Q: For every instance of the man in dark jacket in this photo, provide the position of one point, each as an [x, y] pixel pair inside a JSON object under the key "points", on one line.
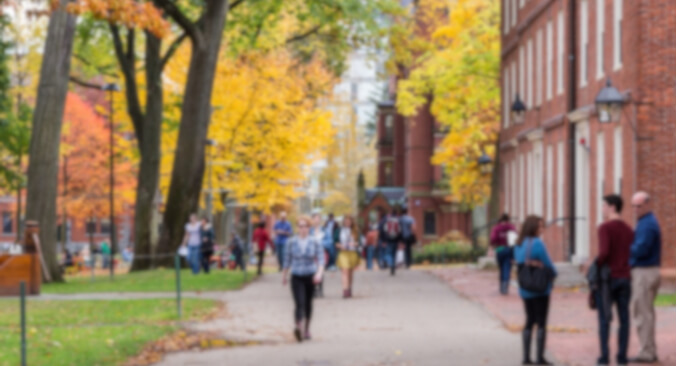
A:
{"points": [[645, 260]]}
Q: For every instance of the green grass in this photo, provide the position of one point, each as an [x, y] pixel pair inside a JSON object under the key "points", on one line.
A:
{"points": [[449, 252], [665, 300], [89, 332], [159, 280]]}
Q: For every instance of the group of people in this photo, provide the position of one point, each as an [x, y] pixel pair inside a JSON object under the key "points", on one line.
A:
{"points": [[199, 241], [626, 272]]}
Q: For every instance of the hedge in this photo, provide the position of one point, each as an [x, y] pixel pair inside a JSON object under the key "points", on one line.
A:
{"points": [[448, 252]]}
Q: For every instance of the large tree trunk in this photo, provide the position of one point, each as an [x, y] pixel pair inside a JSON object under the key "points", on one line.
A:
{"points": [[44, 149], [149, 146], [187, 173]]}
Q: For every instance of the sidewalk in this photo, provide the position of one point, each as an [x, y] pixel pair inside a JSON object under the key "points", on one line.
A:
{"points": [[572, 337]]}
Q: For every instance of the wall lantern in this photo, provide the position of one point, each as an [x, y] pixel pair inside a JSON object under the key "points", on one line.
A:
{"points": [[609, 102]]}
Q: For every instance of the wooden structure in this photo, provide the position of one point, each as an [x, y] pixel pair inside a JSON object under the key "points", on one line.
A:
{"points": [[23, 267]]}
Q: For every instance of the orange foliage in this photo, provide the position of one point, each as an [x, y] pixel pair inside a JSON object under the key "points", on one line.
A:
{"points": [[130, 13], [85, 143]]}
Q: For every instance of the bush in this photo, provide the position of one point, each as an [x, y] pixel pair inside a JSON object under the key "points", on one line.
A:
{"points": [[447, 252]]}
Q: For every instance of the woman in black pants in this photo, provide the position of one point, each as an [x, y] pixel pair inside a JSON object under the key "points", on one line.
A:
{"points": [[304, 258], [531, 249]]}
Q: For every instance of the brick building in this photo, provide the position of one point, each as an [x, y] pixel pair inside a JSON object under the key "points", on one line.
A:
{"points": [[560, 159], [407, 178]]}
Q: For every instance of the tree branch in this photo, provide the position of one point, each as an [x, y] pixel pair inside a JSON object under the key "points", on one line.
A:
{"points": [[234, 4], [172, 49], [130, 46], [180, 18], [86, 84], [307, 34]]}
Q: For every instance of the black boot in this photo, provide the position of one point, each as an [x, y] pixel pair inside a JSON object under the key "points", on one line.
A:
{"points": [[540, 347], [526, 347]]}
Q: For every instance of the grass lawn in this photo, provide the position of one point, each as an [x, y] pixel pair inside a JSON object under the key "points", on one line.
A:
{"points": [[89, 332], [159, 280], [665, 300]]}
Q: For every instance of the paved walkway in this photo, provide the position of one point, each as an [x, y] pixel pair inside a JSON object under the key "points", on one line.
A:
{"points": [[572, 337], [410, 319]]}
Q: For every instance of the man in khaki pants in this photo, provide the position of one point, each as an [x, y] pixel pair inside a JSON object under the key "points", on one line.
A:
{"points": [[645, 260]]}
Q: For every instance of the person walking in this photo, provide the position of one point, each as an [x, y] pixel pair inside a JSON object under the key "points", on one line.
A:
{"points": [[261, 238], [192, 240], [531, 250], [371, 242], [348, 258], [391, 235], [499, 241], [408, 228], [317, 232], [645, 261], [105, 254], [282, 231], [331, 230], [304, 258], [237, 251], [615, 238], [207, 244]]}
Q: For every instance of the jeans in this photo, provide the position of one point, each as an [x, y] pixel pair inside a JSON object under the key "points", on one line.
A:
{"points": [[194, 258], [391, 251], [408, 243], [205, 259], [370, 256], [302, 288], [504, 260], [279, 251], [620, 294], [260, 255], [331, 254]]}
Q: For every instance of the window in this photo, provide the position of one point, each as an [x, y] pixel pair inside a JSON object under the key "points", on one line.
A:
{"points": [[599, 46], [521, 4], [601, 157], [506, 16], [429, 224], [548, 61], [618, 33], [520, 188], [539, 67], [530, 70], [388, 174], [521, 72], [560, 181], [389, 128], [538, 179], [529, 167], [515, 187], [548, 183], [514, 13], [513, 79], [90, 226], [584, 43], [618, 159], [506, 99], [506, 186], [560, 52], [7, 223], [104, 226]]}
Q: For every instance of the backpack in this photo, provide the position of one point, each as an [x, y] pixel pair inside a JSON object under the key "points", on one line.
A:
{"points": [[392, 227]]}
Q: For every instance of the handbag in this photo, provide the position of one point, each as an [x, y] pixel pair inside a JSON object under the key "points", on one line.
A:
{"points": [[532, 277]]}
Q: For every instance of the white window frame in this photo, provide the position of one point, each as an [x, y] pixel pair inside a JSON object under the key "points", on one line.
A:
{"points": [[548, 183], [548, 60], [513, 79], [618, 34], [530, 73], [521, 72], [601, 158], [515, 187], [560, 52], [599, 33], [583, 66], [560, 181], [520, 187], [618, 159], [506, 187], [539, 67], [529, 167], [506, 16], [506, 98], [514, 13]]}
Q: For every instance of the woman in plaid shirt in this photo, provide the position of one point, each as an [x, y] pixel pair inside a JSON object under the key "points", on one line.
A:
{"points": [[304, 258]]}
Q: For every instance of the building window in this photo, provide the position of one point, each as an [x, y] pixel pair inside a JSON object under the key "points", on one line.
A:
{"points": [[514, 187], [538, 179], [7, 223], [560, 52], [514, 12], [429, 224], [560, 181], [618, 159], [548, 183], [539, 67], [529, 167], [584, 43], [513, 79], [506, 99], [388, 174], [104, 226], [530, 73], [601, 158], [389, 127], [506, 186], [90, 226], [549, 61], [618, 32], [521, 72], [506, 16], [600, 39]]}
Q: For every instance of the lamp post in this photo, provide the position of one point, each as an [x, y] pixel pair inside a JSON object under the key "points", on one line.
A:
{"points": [[111, 88], [609, 102], [518, 109], [484, 161]]}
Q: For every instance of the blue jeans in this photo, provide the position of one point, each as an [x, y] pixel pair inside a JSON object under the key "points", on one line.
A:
{"points": [[504, 260], [390, 252], [279, 251], [194, 258], [620, 294], [331, 257], [370, 256]]}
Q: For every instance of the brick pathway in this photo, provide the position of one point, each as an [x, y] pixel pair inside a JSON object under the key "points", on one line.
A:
{"points": [[572, 337]]}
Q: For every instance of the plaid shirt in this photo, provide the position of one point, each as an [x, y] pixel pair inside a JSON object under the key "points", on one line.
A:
{"points": [[303, 262]]}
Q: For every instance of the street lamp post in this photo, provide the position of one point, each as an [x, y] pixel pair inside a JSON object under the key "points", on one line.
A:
{"points": [[518, 109], [111, 88]]}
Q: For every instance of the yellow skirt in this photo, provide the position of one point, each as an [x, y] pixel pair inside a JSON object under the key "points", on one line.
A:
{"points": [[348, 259]]}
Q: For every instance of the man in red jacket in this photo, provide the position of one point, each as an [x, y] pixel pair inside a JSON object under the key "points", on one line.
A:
{"points": [[261, 238]]}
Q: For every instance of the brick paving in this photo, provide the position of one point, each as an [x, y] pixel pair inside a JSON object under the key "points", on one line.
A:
{"points": [[572, 337]]}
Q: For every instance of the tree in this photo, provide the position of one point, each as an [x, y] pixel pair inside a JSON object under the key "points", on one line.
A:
{"points": [[457, 68]]}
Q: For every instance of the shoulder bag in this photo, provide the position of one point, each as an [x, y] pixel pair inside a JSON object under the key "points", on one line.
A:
{"points": [[532, 277]]}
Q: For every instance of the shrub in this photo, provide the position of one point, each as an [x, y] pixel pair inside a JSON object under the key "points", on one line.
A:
{"points": [[447, 252]]}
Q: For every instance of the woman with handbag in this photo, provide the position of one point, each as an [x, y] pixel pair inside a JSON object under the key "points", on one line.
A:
{"points": [[348, 258], [535, 274]]}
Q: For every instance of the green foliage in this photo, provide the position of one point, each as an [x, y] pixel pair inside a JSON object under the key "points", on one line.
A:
{"points": [[449, 252], [89, 332], [665, 300]]}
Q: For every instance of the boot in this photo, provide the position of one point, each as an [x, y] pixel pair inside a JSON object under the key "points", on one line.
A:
{"points": [[297, 331], [306, 334], [540, 347], [526, 346]]}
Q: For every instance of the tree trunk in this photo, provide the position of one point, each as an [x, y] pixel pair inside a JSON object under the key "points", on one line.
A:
{"points": [[188, 169], [44, 149], [149, 146]]}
